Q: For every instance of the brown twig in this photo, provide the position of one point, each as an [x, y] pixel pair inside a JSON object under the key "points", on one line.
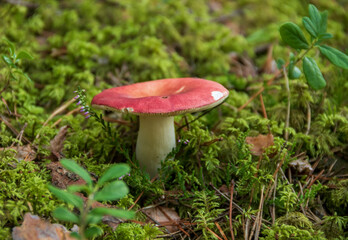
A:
{"points": [[220, 229], [308, 118], [13, 129], [59, 110], [214, 233], [212, 141], [263, 107], [231, 207], [69, 113], [258, 220]]}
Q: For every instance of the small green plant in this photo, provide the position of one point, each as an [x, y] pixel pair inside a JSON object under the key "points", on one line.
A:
{"points": [[89, 112], [334, 226], [12, 61], [107, 188], [316, 26]]}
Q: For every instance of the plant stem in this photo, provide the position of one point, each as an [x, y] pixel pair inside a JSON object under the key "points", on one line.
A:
{"points": [[288, 108], [84, 213]]}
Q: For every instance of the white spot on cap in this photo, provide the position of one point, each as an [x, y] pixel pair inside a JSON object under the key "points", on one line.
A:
{"points": [[217, 95]]}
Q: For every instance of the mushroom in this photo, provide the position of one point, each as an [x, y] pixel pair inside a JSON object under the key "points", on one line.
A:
{"points": [[157, 102]]}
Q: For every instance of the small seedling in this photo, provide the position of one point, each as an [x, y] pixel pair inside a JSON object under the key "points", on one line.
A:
{"points": [[316, 26], [107, 188], [12, 60]]}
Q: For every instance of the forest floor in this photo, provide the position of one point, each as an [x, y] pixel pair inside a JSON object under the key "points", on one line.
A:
{"points": [[270, 162]]}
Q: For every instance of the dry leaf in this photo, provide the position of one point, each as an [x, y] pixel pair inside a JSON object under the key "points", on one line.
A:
{"points": [[23, 153], [57, 143], [259, 143], [164, 215], [242, 66], [34, 228], [301, 166], [61, 177]]}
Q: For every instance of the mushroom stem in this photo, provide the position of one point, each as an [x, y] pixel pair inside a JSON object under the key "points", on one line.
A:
{"points": [[156, 138]]}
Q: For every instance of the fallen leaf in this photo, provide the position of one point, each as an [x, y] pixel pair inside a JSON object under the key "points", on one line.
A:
{"points": [[34, 228], [61, 177], [242, 66], [259, 143], [163, 215], [301, 166], [57, 143], [23, 153]]}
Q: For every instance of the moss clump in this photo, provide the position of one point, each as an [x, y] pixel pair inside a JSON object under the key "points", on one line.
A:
{"points": [[23, 189]]}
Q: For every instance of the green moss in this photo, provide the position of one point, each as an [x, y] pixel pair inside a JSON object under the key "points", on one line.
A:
{"points": [[23, 189]]}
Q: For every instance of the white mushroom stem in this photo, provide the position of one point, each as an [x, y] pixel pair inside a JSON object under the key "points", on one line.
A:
{"points": [[156, 138]]}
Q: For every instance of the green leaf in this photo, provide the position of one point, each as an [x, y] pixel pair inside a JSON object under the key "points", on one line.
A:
{"points": [[75, 235], [293, 36], [7, 60], [114, 172], [78, 188], [94, 218], [313, 74], [93, 232], [66, 197], [324, 36], [309, 26], [113, 191], [75, 168], [294, 72], [27, 77], [118, 213], [335, 56], [315, 16], [12, 47], [280, 63], [323, 24], [64, 214], [24, 55]]}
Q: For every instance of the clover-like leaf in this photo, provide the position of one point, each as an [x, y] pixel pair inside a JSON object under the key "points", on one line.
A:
{"points": [[24, 55], [315, 16], [335, 56], [67, 197], [118, 213], [313, 74], [294, 72], [7, 60], [293, 36], [112, 191], [323, 24], [311, 29], [114, 172], [11, 47], [93, 232], [64, 214], [75, 168]]}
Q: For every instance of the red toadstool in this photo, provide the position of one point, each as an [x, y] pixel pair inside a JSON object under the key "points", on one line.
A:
{"points": [[156, 103]]}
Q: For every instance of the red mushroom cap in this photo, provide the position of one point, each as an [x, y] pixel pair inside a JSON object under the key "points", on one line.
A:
{"points": [[167, 97]]}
